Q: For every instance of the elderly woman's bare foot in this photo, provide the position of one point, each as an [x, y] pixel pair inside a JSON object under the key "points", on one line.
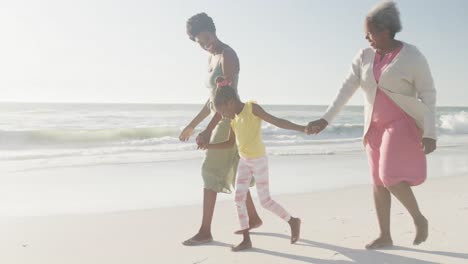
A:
{"points": [[422, 230], [245, 244], [380, 242], [295, 224], [258, 223]]}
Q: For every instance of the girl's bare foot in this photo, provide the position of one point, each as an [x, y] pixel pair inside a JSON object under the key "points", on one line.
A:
{"points": [[198, 239], [295, 224], [422, 230], [252, 225], [245, 244], [380, 242]]}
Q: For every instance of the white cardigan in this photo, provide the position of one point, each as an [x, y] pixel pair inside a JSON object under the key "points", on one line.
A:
{"points": [[407, 80]]}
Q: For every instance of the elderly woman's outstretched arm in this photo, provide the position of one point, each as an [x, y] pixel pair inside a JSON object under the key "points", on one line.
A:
{"points": [[347, 90]]}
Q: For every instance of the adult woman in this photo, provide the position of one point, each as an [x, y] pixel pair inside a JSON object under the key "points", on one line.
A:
{"points": [[219, 166], [399, 117]]}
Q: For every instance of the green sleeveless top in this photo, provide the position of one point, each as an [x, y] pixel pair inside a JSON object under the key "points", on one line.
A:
{"points": [[214, 71]]}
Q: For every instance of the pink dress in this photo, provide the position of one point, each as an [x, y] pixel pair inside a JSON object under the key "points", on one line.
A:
{"points": [[393, 146]]}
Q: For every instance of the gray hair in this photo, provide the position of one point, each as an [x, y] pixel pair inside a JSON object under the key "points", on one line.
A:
{"points": [[386, 16]]}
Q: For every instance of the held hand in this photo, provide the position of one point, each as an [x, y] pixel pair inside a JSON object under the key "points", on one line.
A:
{"points": [[316, 126], [203, 147], [203, 139], [429, 145], [186, 133]]}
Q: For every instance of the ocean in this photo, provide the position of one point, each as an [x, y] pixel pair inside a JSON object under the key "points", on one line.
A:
{"points": [[59, 135], [81, 158]]}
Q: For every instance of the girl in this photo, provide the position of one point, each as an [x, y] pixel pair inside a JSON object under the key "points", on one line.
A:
{"points": [[246, 119]]}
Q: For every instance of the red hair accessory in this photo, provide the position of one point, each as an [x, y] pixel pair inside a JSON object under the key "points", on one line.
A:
{"points": [[223, 83]]}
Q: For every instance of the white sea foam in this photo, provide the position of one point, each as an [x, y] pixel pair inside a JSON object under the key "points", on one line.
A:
{"points": [[455, 123], [63, 132]]}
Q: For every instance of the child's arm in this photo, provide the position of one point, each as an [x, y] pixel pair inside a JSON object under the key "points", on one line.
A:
{"points": [[281, 123], [224, 145]]}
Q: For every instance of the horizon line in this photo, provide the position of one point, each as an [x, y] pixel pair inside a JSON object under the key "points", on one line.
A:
{"points": [[156, 103]]}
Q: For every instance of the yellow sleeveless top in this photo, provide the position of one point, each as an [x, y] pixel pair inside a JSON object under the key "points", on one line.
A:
{"points": [[248, 130]]}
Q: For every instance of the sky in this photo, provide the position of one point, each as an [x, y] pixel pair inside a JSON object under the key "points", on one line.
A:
{"points": [[137, 51]]}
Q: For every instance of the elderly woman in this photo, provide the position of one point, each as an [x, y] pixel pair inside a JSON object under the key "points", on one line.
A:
{"points": [[399, 117], [219, 166]]}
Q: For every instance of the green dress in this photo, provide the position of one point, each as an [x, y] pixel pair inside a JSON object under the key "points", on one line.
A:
{"points": [[219, 167]]}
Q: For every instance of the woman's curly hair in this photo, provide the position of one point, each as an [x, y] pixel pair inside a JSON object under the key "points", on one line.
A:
{"points": [[199, 23]]}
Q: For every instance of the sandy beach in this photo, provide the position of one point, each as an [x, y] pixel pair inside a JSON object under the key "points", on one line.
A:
{"points": [[106, 106], [136, 204], [336, 226]]}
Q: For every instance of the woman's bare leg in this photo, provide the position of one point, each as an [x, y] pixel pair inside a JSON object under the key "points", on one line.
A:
{"points": [[204, 233], [405, 195], [209, 202], [382, 201]]}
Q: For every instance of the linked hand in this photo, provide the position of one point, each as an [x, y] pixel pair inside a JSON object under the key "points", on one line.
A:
{"points": [[316, 126], [203, 139]]}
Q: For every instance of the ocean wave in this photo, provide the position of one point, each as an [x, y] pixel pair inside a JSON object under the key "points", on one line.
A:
{"points": [[75, 137], [456, 123], [92, 152]]}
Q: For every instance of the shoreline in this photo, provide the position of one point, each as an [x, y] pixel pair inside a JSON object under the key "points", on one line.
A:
{"points": [[133, 186], [230, 202], [336, 226]]}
